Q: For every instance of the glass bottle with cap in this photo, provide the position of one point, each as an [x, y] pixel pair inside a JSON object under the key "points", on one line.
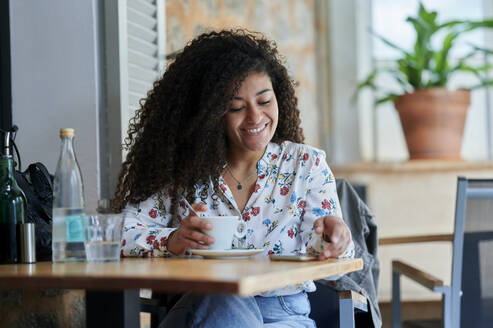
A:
{"points": [[12, 207], [68, 204]]}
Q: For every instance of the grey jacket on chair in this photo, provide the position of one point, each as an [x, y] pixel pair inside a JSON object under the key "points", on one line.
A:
{"points": [[361, 223]]}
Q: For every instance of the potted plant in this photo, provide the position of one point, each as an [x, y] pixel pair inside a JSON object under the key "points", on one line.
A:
{"points": [[432, 116]]}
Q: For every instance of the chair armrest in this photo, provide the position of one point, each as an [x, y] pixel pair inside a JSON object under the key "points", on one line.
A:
{"points": [[359, 300], [421, 277], [415, 239]]}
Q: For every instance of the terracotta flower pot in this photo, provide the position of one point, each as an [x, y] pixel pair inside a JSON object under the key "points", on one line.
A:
{"points": [[433, 122]]}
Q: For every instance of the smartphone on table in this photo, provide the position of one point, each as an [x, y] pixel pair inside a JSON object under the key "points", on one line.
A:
{"points": [[301, 257]]}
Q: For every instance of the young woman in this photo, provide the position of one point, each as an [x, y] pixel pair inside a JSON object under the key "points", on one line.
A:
{"points": [[221, 130]]}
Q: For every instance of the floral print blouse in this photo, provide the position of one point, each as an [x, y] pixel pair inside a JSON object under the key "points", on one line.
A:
{"points": [[294, 188]]}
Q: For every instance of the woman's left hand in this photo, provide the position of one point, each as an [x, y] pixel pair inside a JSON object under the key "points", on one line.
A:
{"points": [[335, 231]]}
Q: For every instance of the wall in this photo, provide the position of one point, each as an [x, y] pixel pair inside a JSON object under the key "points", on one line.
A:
{"points": [[55, 76], [55, 82], [292, 24]]}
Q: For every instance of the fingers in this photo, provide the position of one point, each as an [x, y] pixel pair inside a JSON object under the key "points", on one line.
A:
{"points": [[190, 234], [185, 237], [333, 250], [198, 236], [194, 222], [199, 208], [334, 229], [319, 226], [193, 244], [337, 233], [192, 229]]}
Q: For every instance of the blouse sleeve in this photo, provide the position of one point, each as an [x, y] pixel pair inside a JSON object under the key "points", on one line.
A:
{"points": [[147, 227], [321, 200]]}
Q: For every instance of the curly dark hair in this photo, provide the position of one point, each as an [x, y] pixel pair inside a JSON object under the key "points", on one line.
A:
{"points": [[177, 138]]}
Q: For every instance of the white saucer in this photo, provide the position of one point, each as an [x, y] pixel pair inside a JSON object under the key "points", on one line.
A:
{"points": [[226, 254]]}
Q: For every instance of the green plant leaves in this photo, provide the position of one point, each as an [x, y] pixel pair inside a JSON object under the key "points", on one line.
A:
{"points": [[425, 66], [389, 43], [390, 97]]}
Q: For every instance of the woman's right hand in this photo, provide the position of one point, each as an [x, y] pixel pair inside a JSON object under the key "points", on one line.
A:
{"points": [[189, 234]]}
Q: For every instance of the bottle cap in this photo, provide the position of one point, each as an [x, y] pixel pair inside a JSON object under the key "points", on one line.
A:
{"points": [[67, 132], [27, 242]]}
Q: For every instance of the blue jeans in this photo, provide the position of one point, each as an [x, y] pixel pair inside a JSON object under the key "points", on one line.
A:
{"points": [[210, 311]]}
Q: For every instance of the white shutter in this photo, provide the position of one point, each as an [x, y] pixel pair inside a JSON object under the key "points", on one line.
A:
{"points": [[134, 55], [145, 38]]}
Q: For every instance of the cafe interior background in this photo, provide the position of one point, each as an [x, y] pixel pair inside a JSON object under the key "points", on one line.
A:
{"points": [[86, 64]]}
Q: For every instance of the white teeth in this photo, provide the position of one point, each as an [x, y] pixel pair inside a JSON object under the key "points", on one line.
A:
{"points": [[254, 130], [257, 129]]}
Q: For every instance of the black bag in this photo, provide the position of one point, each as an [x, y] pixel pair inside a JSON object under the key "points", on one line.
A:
{"points": [[37, 184]]}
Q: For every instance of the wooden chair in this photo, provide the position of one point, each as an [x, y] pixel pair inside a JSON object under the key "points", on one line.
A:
{"points": [[468, 300]]}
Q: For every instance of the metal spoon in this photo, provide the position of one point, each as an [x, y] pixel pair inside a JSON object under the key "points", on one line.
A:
{"points": [[187, 204]]}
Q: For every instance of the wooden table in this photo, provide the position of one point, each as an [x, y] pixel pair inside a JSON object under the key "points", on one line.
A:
{"points": [[112, 289]]}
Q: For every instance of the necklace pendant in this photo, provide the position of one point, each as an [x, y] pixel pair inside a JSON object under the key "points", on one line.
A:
{"points": [[239, 186]]}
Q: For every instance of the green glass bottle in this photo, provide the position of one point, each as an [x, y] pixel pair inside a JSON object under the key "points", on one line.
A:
{"points": [[12, 207]]}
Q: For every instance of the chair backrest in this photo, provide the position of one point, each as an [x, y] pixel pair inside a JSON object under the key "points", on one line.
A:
{"points": [[324, 301], [472, 270]]}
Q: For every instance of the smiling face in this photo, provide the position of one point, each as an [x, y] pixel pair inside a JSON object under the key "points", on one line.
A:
{"points": [[252, 117]]}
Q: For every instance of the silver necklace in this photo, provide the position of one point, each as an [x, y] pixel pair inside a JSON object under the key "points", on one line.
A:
{"points": [[240, 184]]}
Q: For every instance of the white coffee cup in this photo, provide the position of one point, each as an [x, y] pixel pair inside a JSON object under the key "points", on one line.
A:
{"points": [[224, 229]]}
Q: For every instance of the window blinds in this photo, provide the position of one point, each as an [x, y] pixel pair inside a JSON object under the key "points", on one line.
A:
{"points": [[145, 44]]}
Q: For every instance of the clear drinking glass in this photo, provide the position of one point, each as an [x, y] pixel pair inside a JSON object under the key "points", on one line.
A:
{"points": [[103, 236]]}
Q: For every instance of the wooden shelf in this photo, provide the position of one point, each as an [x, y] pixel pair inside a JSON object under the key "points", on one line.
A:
{"points": [[415, 239], [411, 166]]}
